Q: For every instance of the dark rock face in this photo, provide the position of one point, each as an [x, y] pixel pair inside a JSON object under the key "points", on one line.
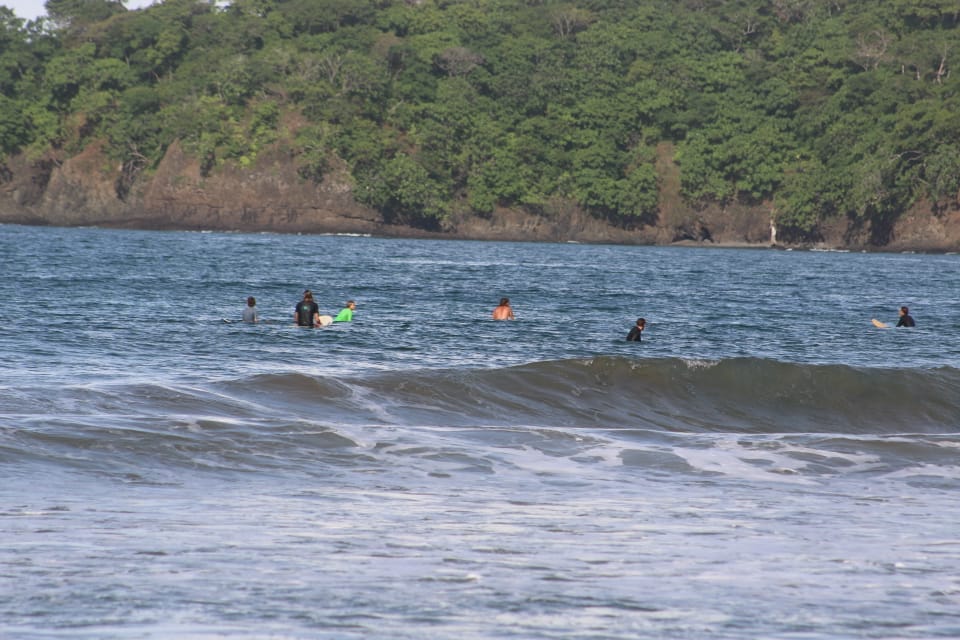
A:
{"points": [[89, 189]]}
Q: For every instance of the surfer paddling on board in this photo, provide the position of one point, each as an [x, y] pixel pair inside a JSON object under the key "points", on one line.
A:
{"points": [[637, 330], [906, 320], [503, 311], [307, 312]]}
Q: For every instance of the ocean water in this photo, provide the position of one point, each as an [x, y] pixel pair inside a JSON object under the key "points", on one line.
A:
{"points": [[765, 464]]}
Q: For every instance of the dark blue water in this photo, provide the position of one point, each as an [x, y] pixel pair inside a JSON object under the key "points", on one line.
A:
{"points": [[766, 463]]}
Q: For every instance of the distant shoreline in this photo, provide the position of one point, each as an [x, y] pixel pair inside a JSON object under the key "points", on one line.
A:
{"points": [[412, 233]]}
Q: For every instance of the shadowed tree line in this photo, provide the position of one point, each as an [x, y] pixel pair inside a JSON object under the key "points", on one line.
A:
{"points": [[446, 108]]}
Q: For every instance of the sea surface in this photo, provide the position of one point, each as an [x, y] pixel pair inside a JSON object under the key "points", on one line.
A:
{"points": [[765, 464]]}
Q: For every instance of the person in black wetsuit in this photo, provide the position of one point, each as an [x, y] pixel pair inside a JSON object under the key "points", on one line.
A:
{"points": [[906, 320], [636, 330], [307, 312]]}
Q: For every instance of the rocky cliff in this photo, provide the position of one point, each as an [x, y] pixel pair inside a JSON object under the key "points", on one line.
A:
{"points": [[89, 189]]}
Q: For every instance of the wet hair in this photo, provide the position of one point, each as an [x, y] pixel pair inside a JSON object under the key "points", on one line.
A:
{"points": [[642, 321], [905, 309], [251, 301], [504, 301], [308, 294], [350, 302]]}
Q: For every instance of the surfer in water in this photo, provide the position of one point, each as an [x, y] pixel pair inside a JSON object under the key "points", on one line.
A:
{"points": [[906, 320], [250, 311], [307, 312], [346, 314], [503, 311], [636, 330]]}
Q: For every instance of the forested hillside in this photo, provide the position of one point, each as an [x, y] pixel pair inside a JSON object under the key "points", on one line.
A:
{"points": [[440, 109]]}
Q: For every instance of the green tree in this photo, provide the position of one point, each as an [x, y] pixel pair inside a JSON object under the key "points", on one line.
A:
{"points": [[404, 192], [76, 13], [14, 131]]}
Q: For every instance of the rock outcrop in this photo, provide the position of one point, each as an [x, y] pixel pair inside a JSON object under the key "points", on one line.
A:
{"points": [[88, 189]]}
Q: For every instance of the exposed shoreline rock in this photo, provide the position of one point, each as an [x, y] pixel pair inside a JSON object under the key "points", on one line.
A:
{"points": [[271, 197]]}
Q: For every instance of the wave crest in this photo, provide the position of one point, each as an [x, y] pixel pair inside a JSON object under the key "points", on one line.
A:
{"points": [[736, 395]]}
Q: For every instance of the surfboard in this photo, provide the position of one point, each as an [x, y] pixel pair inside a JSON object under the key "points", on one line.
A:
{"points": [[880, 325], [326, 320]]}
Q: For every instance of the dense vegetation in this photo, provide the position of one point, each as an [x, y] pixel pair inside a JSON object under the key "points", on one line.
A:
{"points": [[441, 108]]}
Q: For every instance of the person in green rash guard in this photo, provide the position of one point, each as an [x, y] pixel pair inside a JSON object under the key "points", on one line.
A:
{"points": [[346, 314]]}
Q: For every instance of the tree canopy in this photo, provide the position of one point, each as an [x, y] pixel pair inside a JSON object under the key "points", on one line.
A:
{"points": [[815, 108]]}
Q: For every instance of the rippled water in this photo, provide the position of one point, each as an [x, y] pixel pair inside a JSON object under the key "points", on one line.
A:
{"points": [[764, 464]]}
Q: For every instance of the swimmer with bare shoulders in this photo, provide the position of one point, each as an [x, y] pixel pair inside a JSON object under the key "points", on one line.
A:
{"points": [[503, 311]]}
